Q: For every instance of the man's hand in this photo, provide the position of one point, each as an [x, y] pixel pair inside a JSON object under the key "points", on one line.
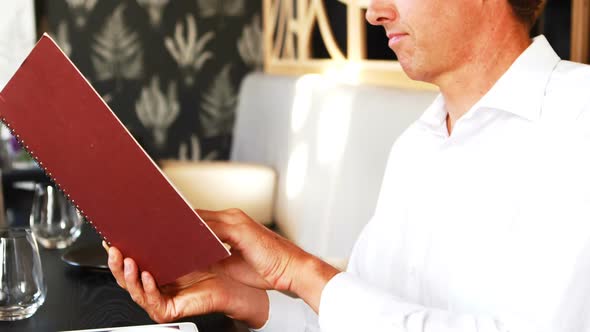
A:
{"points": [[261, 259], [194, 294], [277, 262]]}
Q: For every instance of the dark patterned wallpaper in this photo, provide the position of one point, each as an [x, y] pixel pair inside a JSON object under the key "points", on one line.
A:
{"points": [[169, 69]]}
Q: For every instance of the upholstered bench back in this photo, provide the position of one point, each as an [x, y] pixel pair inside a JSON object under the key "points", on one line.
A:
{"points": [[329, 144]]}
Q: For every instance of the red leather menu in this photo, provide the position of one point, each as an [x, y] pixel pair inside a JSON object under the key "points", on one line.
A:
{"points": [[72, 133]]}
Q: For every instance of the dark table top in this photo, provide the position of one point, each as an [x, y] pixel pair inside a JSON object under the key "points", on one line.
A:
{"points": [[80, 298]]}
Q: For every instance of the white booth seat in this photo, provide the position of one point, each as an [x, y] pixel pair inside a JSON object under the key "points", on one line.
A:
{"points": [[223, 185], [329, 144]]}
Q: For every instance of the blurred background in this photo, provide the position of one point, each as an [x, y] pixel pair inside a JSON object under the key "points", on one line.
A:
{"points": [[171, 70]]}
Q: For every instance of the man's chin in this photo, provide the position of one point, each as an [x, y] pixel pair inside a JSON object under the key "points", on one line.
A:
{"points": [[414, 72], [409, 69]]}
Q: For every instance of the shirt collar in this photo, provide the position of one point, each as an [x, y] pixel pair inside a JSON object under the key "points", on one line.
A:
{"points": [[435, 115], [519, 91]]}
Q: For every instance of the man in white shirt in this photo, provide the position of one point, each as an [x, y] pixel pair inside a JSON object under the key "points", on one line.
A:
{"points": [[483, 221]]}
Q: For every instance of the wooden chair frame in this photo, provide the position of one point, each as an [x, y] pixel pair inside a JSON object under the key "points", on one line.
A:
{"points": [[580, 31]]}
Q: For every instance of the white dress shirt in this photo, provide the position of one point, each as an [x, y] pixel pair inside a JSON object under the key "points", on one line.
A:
{"points": [[487, 229]]}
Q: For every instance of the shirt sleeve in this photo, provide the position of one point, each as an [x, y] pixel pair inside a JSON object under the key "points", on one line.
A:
{"points": [[349, 304], [287, 314]]}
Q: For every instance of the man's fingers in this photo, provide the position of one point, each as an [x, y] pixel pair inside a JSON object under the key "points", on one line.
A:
{"points": [[236, 268], [155, 302], [229, 216], [134, 286], [152, 293], [153, 297], [143, 289], [203, 298], [149, 285], [226, 233], [115, 263]]}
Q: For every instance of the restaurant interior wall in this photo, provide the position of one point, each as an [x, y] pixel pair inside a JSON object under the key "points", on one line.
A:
{"points": [[170, 70]]}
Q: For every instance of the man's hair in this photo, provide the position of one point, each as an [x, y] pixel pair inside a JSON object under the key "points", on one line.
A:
{"points": [[525, 10]]}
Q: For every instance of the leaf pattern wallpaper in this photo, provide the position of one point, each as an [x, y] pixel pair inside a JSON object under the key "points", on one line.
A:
{"points": [[170, 70], [218, 105], [157, 111], [80, 10], [221, 8], [249, 44], [116, 51], [189, 53]]}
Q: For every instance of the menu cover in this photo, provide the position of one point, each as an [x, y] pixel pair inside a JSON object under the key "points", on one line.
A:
{"points": [[75, 137]]}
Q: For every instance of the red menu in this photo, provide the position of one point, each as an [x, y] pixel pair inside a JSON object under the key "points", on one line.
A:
{"points": [[75, 137]]}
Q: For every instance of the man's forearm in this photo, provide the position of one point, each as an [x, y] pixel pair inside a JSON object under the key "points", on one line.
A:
{"points": [[311, 276], [248, 304]]}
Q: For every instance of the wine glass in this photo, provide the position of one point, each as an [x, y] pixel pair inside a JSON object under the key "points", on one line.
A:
{"points": [[55, 222]]}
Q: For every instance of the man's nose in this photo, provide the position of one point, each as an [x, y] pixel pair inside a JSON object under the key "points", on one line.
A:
{"points": [[380, 12]]}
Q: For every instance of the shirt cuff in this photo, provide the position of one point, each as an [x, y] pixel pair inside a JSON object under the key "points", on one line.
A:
{"points": [[349, 304], [284, 314]]}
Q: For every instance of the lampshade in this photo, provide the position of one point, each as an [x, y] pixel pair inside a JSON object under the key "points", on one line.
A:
{"points": [[222, 185]]}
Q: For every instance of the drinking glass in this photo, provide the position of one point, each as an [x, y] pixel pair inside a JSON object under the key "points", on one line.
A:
{"points": [[54, 220], [22, 289]]}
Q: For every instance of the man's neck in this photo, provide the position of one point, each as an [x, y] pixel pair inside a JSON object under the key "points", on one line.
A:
{"points": [[466, 85]]}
